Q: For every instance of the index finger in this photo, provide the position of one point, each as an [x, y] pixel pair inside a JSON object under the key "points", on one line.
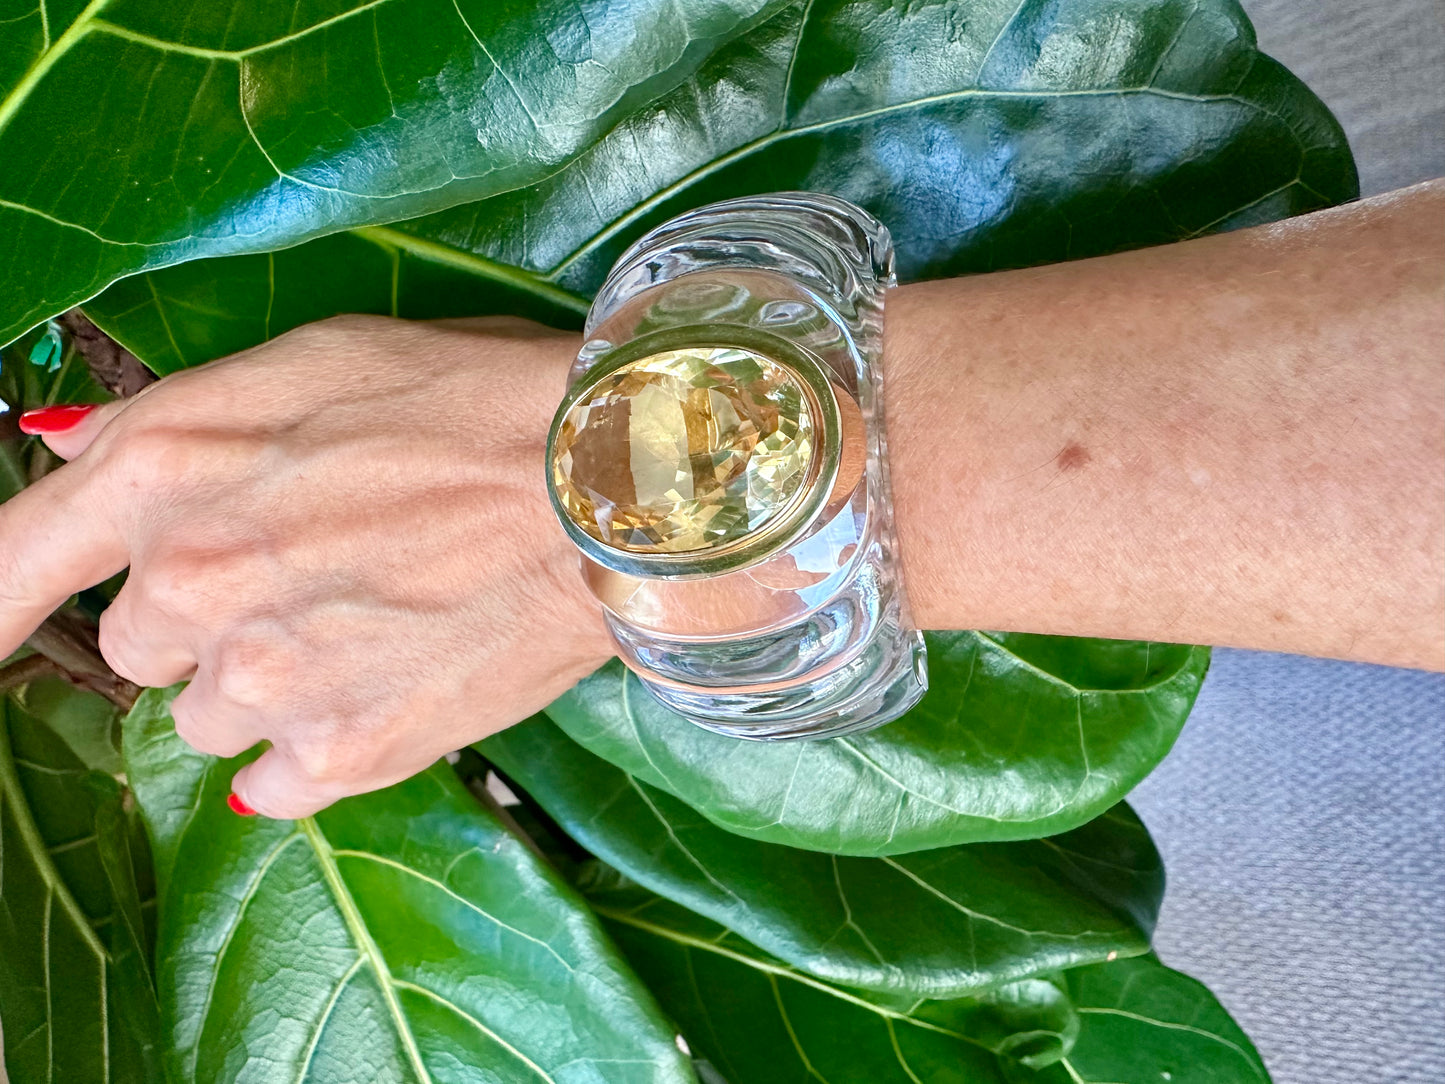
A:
{"points": [[57, 537]]}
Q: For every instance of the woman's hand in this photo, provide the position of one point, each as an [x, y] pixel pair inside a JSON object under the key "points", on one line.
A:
{"points": [[342, 538]]}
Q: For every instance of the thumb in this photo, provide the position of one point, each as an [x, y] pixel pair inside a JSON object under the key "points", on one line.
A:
{"points": [[69, 429]]}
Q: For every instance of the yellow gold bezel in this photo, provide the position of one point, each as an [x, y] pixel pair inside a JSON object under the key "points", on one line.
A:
{"points": [[783, 527]]}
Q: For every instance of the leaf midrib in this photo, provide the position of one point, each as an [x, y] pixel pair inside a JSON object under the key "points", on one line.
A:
{"points": [[47, 59], [56, 889], [628, 918], [519, 278], [35, 843], [778, 135], [351, 914]]}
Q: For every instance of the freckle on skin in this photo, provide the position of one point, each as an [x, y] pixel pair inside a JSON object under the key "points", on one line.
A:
{"points": [[1073, 456]]}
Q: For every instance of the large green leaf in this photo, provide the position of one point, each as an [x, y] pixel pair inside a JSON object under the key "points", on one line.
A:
{"points": [[941, 924], [75, 989], [87, 723], [139, 133], [192, 313], [984, 133], [405, 931], [1019, 737], [759, 1021], [1142, 1023]]}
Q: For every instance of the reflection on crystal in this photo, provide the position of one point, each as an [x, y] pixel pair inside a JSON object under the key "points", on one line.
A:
{"points": [[685, 450]]}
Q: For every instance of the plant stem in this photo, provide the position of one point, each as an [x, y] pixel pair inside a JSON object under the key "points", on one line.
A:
{"points": [[70, 644], [113, 366], [24, 671]]}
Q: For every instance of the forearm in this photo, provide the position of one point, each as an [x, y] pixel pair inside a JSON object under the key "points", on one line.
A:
{"points": [[1237, 440]]}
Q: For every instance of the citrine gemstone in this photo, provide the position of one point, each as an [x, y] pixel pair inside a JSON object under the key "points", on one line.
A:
{"points": [[685, 450]]}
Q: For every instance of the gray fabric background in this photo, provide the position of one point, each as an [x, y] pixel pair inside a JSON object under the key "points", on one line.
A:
{"points": [[1301, 814]]}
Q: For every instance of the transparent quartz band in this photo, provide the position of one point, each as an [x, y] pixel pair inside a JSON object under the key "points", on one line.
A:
{"points": [[720, 460]]}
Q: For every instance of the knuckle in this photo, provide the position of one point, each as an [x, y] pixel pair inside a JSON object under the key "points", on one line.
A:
{"points": [[178, 584], [117, 642], [324, 761], [193, 729], [141, 455], [254, 671]]}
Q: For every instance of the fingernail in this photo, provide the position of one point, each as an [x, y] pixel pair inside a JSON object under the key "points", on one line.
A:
{"points": [[239, 807], [54, 419]]}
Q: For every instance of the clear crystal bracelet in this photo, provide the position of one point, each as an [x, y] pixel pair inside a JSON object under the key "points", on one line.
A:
{"points": [[719, 460]]}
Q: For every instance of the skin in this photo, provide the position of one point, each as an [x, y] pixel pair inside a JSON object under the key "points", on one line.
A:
{"points": [[342, 536], [1237, 440]]}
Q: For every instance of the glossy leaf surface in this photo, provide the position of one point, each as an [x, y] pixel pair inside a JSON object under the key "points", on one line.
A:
{"points": [[1018, 737], [248, 127], [186, 315], [986, 134], [1142, 1023], [88, 724], [403, 931], [760, 1022], [942, 923], [75, 988]]}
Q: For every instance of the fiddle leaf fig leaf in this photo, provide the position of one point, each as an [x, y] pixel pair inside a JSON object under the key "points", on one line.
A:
{"points": [[757, 1020], [1018, 737], [218, 129], [942, 923], [75, 988], [984, 135], [192, 313], [1140, 1023], [87, 723], [405, 931]]}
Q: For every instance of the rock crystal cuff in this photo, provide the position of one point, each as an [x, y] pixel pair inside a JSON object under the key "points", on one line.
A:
{"points": [[719, 460]]}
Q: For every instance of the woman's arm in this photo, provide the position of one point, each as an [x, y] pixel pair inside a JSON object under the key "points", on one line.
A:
{"points": [[1237, 440], [343, 538]]}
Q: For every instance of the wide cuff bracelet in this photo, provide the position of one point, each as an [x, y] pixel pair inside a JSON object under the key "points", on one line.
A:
{"points": [[719, 460]]}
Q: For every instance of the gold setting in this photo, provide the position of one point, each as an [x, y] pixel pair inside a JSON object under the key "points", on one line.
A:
{"points": [[684, 459]]}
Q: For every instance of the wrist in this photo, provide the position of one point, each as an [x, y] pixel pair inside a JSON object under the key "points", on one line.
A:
{"points": [[582, 640], [931, 493]]}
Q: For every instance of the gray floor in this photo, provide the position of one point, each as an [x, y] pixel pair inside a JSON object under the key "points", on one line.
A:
{"points": [[1301, 814], [1301, 822]]}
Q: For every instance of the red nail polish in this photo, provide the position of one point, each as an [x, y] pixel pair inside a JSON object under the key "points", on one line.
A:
{"points": [[240, 807], [54, 419]]}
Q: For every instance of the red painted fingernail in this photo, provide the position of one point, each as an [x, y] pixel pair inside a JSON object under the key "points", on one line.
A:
{"points": [[240, 807], [54, 419]]}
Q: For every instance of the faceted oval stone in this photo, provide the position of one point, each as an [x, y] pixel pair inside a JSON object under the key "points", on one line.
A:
{"points": [[685, 450]]}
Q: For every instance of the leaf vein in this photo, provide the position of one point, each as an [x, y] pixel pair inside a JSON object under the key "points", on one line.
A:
{"points": [[402, 984], [351, 914], [393, 864]]}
